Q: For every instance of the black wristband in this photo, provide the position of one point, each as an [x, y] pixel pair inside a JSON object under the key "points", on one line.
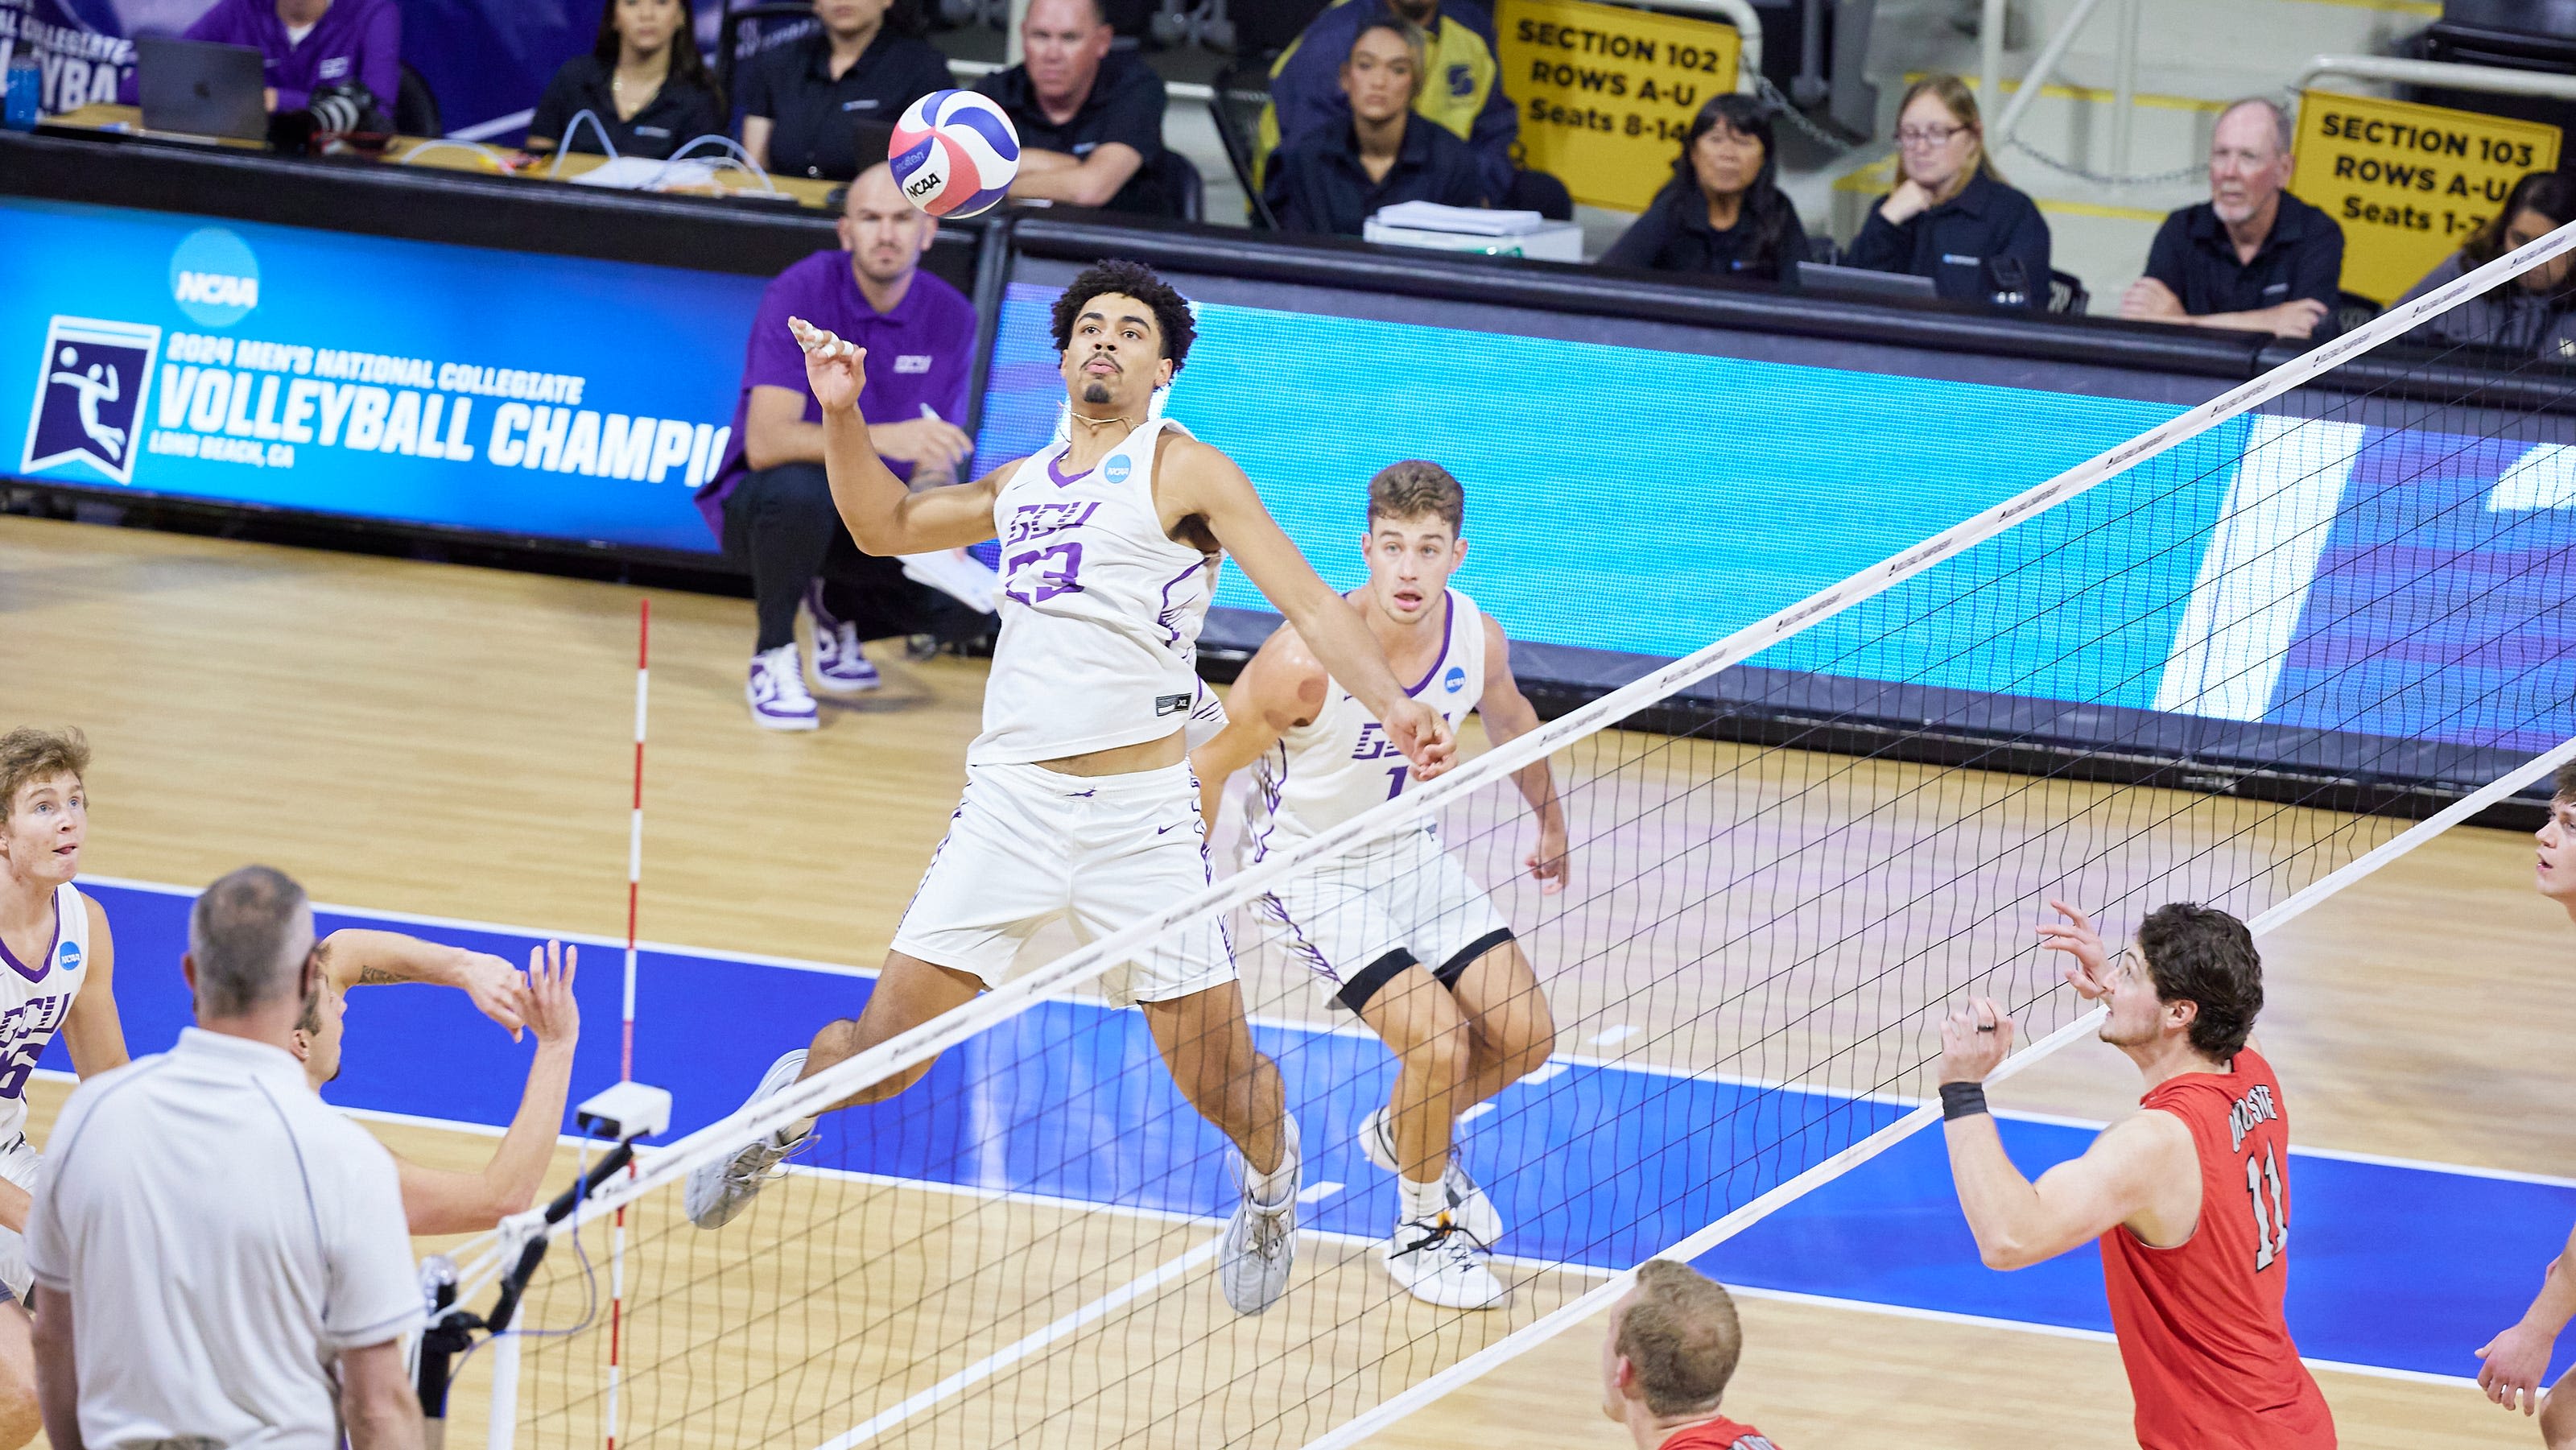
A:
{"points": [[1962, 1099]]}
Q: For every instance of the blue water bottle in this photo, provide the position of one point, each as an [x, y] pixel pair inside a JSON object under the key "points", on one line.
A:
{"points": [[26, 88]]}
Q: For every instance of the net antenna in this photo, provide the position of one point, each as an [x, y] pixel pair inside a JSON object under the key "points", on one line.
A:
{"points": [[1844, 818]]}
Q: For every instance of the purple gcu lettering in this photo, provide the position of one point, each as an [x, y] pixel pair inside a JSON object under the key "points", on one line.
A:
{"points": [[1037, 520], [1053, 570], [1373, 745], [25, 1029]]}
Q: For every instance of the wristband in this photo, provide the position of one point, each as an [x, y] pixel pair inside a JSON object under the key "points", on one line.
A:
{"points": [[1962, 1099]]}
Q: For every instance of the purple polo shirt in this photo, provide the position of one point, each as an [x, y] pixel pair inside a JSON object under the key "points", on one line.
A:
{"points": [[358, 40], [918, 354]]}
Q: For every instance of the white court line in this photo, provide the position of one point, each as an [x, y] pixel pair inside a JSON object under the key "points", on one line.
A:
{"points": [[1010, 1354]]}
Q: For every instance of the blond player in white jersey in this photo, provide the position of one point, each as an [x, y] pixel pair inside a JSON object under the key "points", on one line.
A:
{"points": [[57, 974], [1079, 803], [1397, 931]]}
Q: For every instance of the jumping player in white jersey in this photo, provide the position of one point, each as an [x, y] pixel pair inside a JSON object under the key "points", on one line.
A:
{"points": [[57, 973], [1079, 802], [1397, 930]]}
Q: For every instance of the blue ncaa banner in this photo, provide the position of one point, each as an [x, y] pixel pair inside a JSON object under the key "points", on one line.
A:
{"points": [[406, 381]]}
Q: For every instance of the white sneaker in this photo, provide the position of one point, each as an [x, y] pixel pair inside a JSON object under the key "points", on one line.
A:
{"points": [[779, 699], [1260, 1244], [841, 666], [1469, 1208], [1436, 1262], [719, 1190]]}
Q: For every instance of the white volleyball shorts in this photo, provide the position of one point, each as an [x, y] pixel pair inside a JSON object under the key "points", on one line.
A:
{"points": [[1359, 921], [1030, 845]]}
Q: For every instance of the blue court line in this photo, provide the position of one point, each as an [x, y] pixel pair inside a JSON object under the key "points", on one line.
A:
{"points": [[2396, 1266]]}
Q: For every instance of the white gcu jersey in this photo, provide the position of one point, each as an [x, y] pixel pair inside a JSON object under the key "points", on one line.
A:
{"points": [[1101, 613], [1339, 764], [34, 999]]}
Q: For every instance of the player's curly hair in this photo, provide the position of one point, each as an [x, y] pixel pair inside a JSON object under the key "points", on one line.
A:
{"points": [[2204, 956], [1172, 315], [28, 753], [1416, 488]]}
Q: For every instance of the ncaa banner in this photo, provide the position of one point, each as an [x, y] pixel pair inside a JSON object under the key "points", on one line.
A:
{"points": [[412, 382]]}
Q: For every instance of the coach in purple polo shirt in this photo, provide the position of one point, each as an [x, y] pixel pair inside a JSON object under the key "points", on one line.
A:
{"points": [[770, 502], [313, 45]]}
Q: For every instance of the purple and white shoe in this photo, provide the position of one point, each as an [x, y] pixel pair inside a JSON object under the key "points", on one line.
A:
{"points": [[840, 666], [779, 699]]}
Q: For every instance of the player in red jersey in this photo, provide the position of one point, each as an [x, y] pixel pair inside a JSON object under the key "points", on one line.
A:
{"points": [[1665, 1363], [2189, 1198], [2517, 1360]]}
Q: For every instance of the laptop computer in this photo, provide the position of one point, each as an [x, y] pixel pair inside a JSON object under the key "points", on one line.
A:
{"points": [[1861, 284], [197, 88]]}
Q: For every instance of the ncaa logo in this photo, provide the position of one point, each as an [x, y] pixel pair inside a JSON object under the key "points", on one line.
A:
{"points": [[69, 957], [1455, 680], [90, 384], [213, 277], [1117, 468]]}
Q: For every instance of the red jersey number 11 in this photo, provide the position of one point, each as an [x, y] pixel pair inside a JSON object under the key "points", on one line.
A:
{"points": [[2272, 1227]]}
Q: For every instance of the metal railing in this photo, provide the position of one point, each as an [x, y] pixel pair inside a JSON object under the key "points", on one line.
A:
{"points": [[2491, 79]]}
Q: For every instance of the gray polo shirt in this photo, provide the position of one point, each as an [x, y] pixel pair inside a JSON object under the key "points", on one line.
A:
{"points": [[223, 1235]]}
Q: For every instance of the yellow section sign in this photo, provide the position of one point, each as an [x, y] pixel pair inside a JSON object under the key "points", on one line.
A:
{"points": [[2408, 183], [1607, 94]]}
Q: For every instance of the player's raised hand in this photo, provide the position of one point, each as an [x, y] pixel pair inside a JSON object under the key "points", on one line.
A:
{"points": [[836, 370], [1975, 1040], [1423, 734], [2090, 973], [1548, 862], [552, 1012], [495, 988]]}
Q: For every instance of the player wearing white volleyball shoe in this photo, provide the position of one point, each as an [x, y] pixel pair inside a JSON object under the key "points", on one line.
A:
{"points": [[57, 966], [1397, 929], [1079, 803]]}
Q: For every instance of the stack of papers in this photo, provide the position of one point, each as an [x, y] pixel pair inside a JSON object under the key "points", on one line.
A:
{"points": [[1474, 221], [635, 173]]}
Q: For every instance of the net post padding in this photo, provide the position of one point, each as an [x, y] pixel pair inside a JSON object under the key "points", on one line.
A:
{"points": [[1077, 968]]}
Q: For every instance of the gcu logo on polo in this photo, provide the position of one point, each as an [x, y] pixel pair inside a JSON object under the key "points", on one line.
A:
{"points": [[91, 380]]}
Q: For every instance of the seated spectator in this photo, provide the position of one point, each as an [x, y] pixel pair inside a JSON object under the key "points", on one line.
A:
{"points": [[2252, 257], [1335, 179], [801, 100], [1090, 121], [313, 45], [643, 79], [1671, 1348], [1462, 91], [1951, 217], [770, 502], [1723, 212], [2533, 314]]}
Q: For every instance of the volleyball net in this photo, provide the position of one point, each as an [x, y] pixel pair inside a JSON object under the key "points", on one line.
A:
{"points": [[2230, 661]]}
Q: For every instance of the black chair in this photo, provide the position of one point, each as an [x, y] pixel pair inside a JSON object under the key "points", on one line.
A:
{"points": [[416, 106], [2066, 294], [1184, 190], [769, 23], [1235, 102], [2352, 310], [1263, 28]]}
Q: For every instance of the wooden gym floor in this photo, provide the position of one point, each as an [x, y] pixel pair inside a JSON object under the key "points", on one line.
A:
{"points": [[455, 742]]}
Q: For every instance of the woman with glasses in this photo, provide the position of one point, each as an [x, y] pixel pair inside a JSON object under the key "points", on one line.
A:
{"points": [[1722, 213], [1951, 218]]}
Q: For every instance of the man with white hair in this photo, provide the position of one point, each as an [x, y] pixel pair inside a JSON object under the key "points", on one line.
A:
{"points": [[220, 1258], [2253, 257]]}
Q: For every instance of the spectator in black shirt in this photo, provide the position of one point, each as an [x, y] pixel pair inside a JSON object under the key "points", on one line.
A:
{"points": [[643, 79], [1090, 123], [801, 101], [1335, 178], [1951, 217], [2533, 314], [2252, 257], [1723, 212]]}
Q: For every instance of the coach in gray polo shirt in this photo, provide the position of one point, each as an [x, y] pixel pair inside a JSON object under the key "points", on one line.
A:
{"points": [[220, 1258]]}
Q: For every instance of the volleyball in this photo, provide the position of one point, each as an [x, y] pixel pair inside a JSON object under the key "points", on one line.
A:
{"points": [[954, 153]]}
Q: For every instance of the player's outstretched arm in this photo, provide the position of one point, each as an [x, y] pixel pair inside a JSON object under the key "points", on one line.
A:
{"points": [[2018, 1223], [440, 1202], [360, 957], [1280, 688], [883, 514], [1210, 486], [92, 1030], [2517, 1361], [1508, 715]]}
